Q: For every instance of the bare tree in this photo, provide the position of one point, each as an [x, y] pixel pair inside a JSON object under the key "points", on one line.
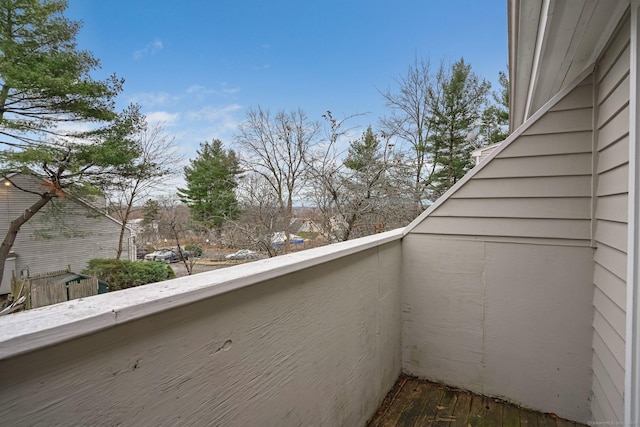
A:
{"points": [[260, 218], [411, 122], [274, 148], [358, 190], [158, 160], [326, 176], [173, 220]]}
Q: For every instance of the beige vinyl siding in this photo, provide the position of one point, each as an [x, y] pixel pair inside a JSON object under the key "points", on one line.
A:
{"points": [[537, 187], [611, 187]]}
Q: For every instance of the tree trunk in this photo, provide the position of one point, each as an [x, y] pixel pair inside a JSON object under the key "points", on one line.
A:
{"points": [[125, 218], [14, 227], [123, 228]]}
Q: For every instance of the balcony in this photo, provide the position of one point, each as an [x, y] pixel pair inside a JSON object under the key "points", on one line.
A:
{"points": [[317, 337]]}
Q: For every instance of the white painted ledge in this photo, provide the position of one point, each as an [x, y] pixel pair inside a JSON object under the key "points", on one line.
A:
{"points": [[45, 326]]}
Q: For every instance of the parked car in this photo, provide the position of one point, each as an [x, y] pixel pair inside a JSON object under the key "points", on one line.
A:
{"points": [[167, 255], [152, 255], [141, 253], [243, 254]]}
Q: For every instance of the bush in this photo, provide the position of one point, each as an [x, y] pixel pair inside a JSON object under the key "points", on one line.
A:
{"points": [[195, 249], [121, 274]]}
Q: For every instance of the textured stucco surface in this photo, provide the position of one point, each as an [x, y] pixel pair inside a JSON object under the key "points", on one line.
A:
{"points": [[510, 320], [319, 346]]}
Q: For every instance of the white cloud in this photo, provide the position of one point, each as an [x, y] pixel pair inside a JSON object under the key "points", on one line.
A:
{"points": [[196, 89], [151, 99], [165, 117], [213, 122], [200, 91], [214, 114], [150, 49]]}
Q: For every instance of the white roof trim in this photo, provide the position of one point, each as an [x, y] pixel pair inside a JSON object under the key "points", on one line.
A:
{"points": [[45, 326], [540, 40], [503, 145]]}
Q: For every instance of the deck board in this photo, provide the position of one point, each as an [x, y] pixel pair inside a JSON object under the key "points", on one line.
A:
{"points": [[447, 405], [528, 418], [421, 398], [460, 412], [414, 402]]}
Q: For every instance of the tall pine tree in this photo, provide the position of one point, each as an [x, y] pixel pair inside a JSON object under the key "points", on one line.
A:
{"points": [[495, 118], [211, 181], [459, 106]]}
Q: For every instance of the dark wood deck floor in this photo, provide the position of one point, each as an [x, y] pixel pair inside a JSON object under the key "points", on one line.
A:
{"points": [[414, 402]]}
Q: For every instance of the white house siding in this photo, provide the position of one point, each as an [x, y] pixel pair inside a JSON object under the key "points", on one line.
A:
{"points": [[611, 189], [318, 346], [498, 279], [69, 235]]}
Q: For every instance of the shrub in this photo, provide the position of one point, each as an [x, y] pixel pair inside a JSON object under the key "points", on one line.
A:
{"points": [[122, 274]]}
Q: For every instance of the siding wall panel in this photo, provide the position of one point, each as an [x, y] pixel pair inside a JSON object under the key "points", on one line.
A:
{"points": [[616, 74], [604, 407], [614, 314], [613, 181], [614, 129], [570, 186], [580, 97], [562, 121], [543, 207], [612, 234], [611, 285], [613, 396], [573, 142], [612, 259], [613, 208], [615, 102], [612, 367], [513, 227], [558, 165], [613, 52], [612, 186], [613, 341], [613, 155]]}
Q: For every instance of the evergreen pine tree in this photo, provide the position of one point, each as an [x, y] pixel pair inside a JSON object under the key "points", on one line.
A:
{"points": [[211, 181], [454, 113]]}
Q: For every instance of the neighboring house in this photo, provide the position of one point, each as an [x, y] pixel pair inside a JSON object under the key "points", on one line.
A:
{"points": [[480, 154], [299, 225], [68, 232], [521, 282]]}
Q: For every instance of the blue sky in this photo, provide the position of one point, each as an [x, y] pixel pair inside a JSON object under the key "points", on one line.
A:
{"points": [[198, 65]]}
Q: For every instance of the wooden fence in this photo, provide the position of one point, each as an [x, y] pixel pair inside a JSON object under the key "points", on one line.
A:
{"points": [[47, 288]]}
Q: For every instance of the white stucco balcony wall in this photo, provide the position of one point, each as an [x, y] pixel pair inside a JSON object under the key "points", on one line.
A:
{"points": [[307, 338]]}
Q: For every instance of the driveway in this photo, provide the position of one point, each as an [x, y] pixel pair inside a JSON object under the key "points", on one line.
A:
{"points": [[180, 269]]}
